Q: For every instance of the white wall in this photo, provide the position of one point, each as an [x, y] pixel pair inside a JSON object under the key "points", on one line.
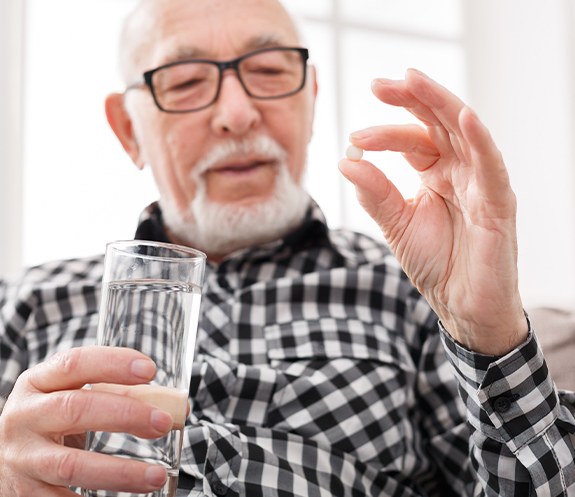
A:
{"points": [[80, 189], [521, 82], [11, 36]]}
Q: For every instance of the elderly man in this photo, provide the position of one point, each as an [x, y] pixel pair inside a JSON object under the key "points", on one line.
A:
{"points": [[320, 368]]}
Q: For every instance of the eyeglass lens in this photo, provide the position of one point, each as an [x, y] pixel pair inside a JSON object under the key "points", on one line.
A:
{"points": [[194, 84]]}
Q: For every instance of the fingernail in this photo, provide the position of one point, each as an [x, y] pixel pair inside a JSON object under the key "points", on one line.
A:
{"points": [[143, 368], [156, 476], [470, 111], [360, 135], [161, 421], [381, 82], [417, 71]]}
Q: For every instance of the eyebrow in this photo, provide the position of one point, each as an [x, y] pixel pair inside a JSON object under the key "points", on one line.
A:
{"points": [[255, 43]]}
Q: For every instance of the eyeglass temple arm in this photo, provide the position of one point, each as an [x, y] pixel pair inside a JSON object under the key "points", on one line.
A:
{"points": [[135, 85]]}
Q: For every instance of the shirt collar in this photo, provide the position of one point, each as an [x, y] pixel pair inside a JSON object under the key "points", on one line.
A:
{"points": [[312, 232]]}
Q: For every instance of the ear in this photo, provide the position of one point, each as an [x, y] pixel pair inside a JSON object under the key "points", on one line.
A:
{"points": [[312, 91], [121, 124], [313, 76]]}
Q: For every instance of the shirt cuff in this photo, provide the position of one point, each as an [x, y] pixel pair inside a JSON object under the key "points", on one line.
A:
{"points": [[512, 398]]}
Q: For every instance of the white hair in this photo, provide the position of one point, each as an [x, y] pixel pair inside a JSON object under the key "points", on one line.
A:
{"points": [[220, 228]]}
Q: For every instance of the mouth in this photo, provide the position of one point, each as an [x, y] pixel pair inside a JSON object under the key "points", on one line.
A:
{"points": [[242, 166]]}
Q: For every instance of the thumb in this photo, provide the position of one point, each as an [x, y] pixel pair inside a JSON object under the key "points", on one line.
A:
{"points": [[376, 193]]}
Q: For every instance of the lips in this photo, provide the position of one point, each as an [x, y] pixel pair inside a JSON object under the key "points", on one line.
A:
{"points": [[239, 166]]}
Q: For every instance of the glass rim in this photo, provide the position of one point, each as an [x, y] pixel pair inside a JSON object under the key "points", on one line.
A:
{"points": [[189, 253]]}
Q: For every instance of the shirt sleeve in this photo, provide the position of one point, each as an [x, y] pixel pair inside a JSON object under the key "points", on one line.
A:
{"points": [[523, 430], [13, 357], [2, 301], [47, 309]]}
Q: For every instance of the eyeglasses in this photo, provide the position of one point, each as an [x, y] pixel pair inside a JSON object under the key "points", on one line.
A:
{"points": [[192, 85]]}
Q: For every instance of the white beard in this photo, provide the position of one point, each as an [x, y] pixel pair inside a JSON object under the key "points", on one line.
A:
{"points": [[219, 228]]}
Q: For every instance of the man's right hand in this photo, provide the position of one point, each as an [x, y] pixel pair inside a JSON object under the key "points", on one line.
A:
{"points": [[49, 403]]}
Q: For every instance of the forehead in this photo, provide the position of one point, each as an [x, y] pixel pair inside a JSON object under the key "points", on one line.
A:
{"points": [[170, 30]]}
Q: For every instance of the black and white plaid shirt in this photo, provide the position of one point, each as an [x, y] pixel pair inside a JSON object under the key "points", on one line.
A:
{"points": [[320, 372]]}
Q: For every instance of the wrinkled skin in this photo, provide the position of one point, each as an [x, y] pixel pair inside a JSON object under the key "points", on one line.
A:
{"points": [[49, 404], [456, 239]]}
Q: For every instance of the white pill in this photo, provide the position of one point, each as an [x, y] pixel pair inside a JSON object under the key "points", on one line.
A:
{"points": [[354, 153]]}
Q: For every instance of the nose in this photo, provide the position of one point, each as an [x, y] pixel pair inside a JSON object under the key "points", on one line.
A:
{"points": [[235, 112]]}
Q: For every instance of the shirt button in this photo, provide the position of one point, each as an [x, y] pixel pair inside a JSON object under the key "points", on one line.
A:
{"points": [[219, 488], [502, 404]]}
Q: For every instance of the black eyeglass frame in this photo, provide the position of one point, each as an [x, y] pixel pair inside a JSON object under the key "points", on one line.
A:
{"points": [[223, 66]]}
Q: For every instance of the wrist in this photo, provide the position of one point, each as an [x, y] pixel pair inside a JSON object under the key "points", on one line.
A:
{"points": [[489, 339]]}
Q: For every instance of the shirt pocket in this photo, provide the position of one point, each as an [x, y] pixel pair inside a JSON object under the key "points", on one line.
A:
{"points": [[330, 338], [344, 383]]}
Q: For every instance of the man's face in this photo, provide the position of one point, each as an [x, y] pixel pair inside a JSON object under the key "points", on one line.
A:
{"points": [[174, 144]]}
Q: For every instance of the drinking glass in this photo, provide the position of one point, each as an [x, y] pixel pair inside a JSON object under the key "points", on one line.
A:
{"points": [[150, 302]]}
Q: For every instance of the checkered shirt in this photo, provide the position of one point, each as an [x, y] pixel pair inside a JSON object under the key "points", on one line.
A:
{"points": [[320, 371]]}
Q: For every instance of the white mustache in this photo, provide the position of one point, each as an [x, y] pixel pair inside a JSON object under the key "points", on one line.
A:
{"points": [[262, 146]]}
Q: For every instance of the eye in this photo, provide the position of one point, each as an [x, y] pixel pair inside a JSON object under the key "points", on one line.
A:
{"points": [[184, 77], [185, 85], [268, 70]]}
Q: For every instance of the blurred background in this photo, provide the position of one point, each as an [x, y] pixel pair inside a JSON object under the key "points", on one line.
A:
{"points": [[67, 188]]}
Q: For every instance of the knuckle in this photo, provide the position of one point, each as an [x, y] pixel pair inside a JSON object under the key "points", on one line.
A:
{"points": [[22, 383], [66, 467], [71, 405], [8, 426], [11, 425], [137, 412], [66, 362]]}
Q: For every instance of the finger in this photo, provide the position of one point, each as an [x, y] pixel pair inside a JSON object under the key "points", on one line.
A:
{"points": [[62, 466], [78, 366], [411, 140], [444, 137], [481, 143], [491, 173], [377, 195], [444, 105], [396, 93], [75, 411]]}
